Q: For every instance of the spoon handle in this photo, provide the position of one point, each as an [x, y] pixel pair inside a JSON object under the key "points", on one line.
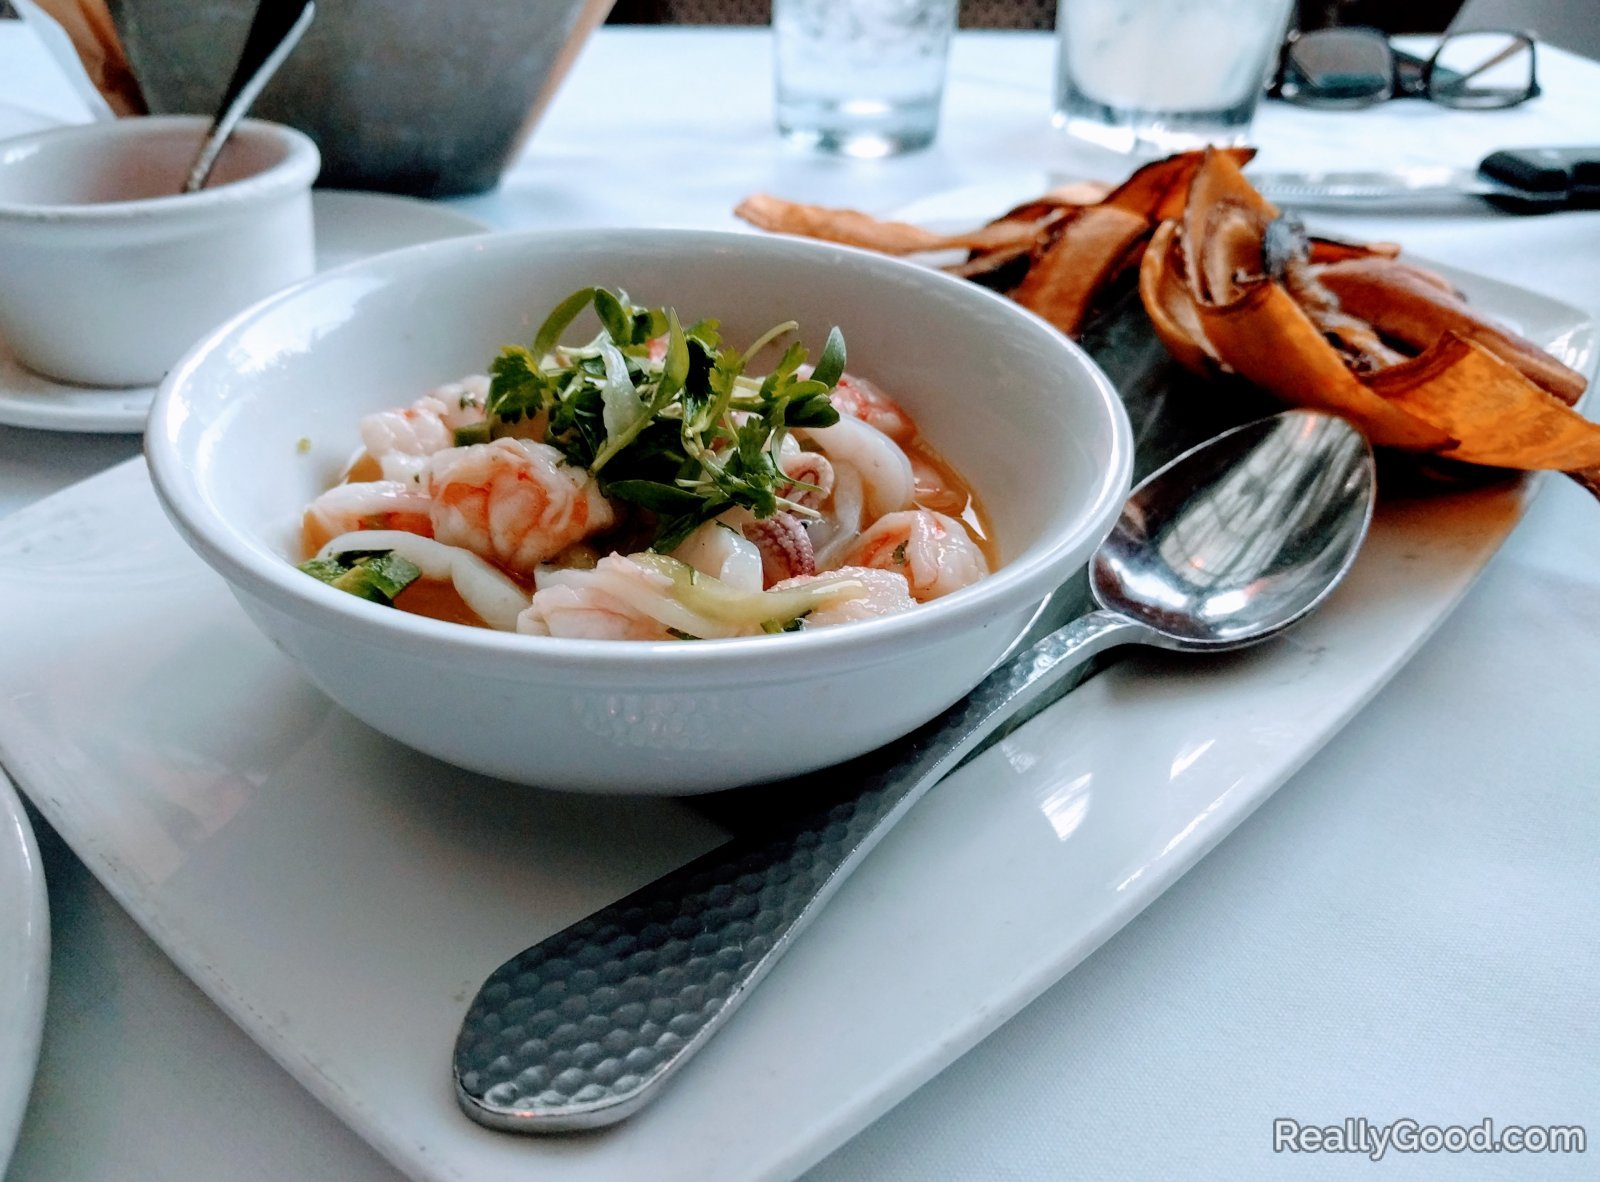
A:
{"points": [[275, 30], [581, 1029]]}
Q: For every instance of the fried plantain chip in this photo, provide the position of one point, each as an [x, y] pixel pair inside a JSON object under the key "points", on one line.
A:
{"points": [[1159, 190], [1333, 250], [1089, 250], [1497, 415], [1222, 205], [1267, 339], [1416, 308], [1167, 301], [851, 227], [1232, 286]]}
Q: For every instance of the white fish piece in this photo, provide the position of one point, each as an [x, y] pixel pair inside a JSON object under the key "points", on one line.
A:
{"points": [[720, 550], [887, 481]]}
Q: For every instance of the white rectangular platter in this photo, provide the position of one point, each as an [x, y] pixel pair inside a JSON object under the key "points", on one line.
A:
{"points": [[342, 897]]}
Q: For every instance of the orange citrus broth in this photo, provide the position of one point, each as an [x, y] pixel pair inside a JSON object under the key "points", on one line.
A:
{"points": [[953, 497]]}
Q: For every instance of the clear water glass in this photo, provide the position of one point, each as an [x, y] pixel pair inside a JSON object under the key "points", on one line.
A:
{"points": [[1150, 77], [861, 77]]}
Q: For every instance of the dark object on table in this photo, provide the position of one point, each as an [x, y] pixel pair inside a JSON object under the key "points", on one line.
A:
{"points": [[404, 96], [974, 14], [1569, 177], [1392, 16], [1357, 67]]}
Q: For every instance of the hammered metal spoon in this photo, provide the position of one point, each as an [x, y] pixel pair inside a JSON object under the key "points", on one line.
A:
{"points": [[1227, 545]]}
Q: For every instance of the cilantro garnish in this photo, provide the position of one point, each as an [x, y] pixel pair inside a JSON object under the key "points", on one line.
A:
{"points": [[687, 436]]}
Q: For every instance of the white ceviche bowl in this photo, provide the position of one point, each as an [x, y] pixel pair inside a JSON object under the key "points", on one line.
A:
{"points": [[260, 417]]}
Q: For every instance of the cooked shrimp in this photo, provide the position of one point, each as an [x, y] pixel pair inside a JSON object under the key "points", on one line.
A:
{"points": [[429, 424], [886, 594], [403, 468], [886, 478], [860, 399], [401, 439], [720, 550], [465, 400], [514, 502], [587, 613], [371, 504], [487, 591], [417, 430], [934, 552], [617, 600]]}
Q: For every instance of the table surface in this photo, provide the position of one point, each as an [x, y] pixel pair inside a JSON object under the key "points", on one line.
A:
{"points": [[1408, 929]]}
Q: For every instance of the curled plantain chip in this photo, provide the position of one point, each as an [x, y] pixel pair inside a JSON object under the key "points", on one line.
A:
{"points": [[852, 228], [1358, 332], [1057, 254], [1230, 285]]}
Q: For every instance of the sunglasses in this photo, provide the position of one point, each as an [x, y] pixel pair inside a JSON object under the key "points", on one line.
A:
{"points": [[1358, 67]]}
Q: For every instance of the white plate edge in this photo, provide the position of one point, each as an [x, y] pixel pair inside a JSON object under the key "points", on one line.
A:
{"points": [[34, 988]]}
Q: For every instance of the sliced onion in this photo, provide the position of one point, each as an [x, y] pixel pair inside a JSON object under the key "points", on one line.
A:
{"points": [[718, 602]]}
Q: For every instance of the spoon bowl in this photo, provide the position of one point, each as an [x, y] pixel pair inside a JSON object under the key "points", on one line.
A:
{"points": [[1237, 539], [1227, 545]]}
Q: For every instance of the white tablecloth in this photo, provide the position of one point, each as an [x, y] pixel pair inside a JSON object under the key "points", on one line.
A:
{"points": [[1409, 928]]}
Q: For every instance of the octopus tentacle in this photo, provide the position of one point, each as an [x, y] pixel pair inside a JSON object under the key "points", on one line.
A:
{"points": [[785, 547]]}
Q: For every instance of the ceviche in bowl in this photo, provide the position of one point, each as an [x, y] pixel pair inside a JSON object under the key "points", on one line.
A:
{"points": [[645, 484], [641, 511]]}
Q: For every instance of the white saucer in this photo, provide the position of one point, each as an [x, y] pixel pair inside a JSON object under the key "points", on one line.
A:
{"points": [[350, 226]]}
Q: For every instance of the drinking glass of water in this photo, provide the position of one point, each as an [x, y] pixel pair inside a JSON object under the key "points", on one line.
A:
{"points": [[1157, 76], [861, 77]]}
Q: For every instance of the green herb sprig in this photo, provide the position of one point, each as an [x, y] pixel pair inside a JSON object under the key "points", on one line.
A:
{"points": [[377, 575], [687, 436]]}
